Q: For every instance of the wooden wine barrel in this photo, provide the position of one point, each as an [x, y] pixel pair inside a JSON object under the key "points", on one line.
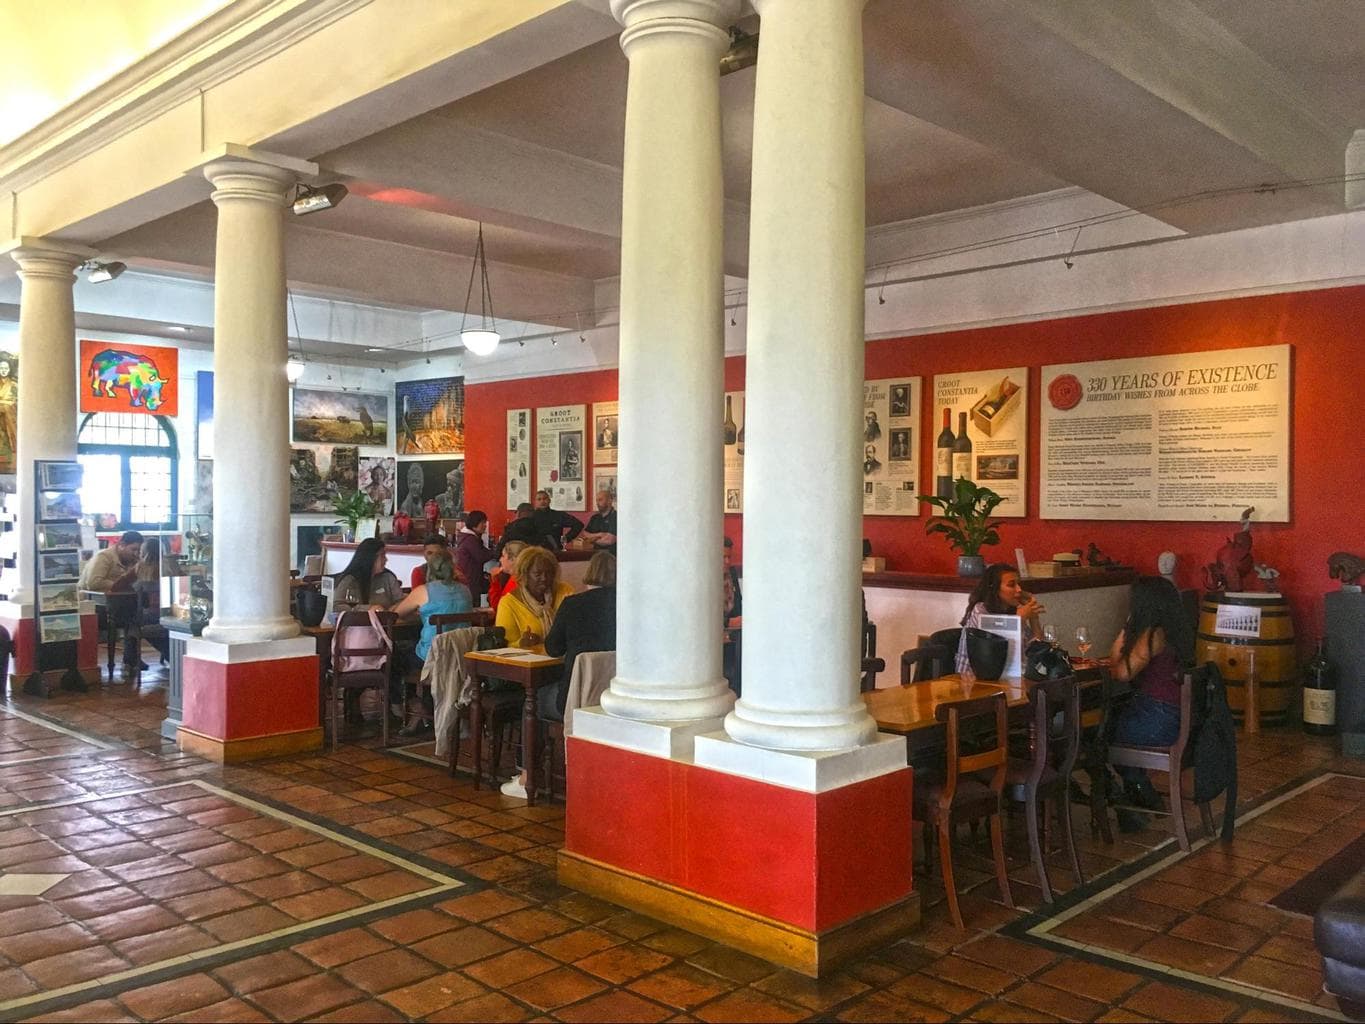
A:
{"points": [[1234, 629]]}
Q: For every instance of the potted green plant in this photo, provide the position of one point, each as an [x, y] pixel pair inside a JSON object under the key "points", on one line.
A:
{"points": [[351, 508], [965, 519]]}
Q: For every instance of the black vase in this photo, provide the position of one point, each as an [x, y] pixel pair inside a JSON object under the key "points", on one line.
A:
{"points": [[987, 653], [311, 605]]}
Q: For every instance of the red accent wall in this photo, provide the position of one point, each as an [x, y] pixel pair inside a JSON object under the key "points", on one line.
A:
{"points": [[1328, 457]]}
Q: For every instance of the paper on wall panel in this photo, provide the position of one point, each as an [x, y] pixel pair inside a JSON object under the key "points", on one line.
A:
{"points": [[891, 417]]}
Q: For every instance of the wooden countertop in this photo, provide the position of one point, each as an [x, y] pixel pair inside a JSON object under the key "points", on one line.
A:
{"points": [[416, 549], [964, 584]]}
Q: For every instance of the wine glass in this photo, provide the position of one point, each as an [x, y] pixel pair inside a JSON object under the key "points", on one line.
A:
{"points": [[1050, 634], [1083, 640]]}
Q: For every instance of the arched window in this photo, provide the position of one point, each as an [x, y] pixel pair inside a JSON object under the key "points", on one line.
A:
{"points": [[131, 469]]}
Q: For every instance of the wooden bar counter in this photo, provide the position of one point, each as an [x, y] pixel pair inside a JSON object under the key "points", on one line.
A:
{"points": [[403, 558], [906, 606]]}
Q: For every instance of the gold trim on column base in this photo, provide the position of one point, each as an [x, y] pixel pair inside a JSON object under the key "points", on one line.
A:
{"points": [[249, 748], [810, 953]]}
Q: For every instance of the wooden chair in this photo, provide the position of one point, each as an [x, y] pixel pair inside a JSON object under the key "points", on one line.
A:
{"points": [[340, 682], [931, 660], [1170, 760], [960, 796], [123, 614], [871, 664], [501, 712], [1055, 729]]}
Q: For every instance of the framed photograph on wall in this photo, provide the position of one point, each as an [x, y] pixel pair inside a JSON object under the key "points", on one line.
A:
{"points": [[429, 415], [605, 440], [341, 417]]}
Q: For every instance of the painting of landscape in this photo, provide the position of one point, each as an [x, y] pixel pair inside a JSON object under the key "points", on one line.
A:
{"points": [[341, 417]]}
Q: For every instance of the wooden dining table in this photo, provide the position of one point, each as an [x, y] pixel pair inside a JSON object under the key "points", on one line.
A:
{"points": [[531, 672]]}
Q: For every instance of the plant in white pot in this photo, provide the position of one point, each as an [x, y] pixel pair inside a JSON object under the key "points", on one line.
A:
{"points": [[965, 519]]}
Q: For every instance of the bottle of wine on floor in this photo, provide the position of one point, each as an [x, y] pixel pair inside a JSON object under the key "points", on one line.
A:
{"points": [[1319, 694], [943, 458], [962, 450]]}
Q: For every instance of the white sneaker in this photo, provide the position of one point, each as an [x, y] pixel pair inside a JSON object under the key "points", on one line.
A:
{"points": [[513, 787]]}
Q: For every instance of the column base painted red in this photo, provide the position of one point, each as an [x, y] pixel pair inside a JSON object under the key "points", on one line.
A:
{"points": [[806, 880], [242, 705], [23, 631]]}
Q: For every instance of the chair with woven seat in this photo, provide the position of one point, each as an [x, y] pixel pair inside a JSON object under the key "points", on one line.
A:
{"points": [[1171, 760], [933, 659], [959, 795], [1054, 725]]}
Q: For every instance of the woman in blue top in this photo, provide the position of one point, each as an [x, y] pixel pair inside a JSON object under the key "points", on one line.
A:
{"points": [[442, 594]]}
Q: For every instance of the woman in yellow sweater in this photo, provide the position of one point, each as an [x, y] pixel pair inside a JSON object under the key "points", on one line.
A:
{"points": [[527, 613]]}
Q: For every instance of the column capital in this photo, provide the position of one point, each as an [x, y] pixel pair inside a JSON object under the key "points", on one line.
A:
{"points": [[240, 172], [681, 18], [43, 257]]}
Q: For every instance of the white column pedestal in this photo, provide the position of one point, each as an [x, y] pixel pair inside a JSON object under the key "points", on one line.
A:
{"points": [[668, 657]]}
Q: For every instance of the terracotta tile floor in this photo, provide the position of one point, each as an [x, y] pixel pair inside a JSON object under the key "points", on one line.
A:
{"points": [[370, 886]]}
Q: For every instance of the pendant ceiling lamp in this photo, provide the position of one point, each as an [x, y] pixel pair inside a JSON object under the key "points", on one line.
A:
{"points": [[483, 339]]}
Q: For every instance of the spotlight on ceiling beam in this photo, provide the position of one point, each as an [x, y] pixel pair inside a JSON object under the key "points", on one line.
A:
{"points": [[743, 52], [324, 197], [101, 272]]}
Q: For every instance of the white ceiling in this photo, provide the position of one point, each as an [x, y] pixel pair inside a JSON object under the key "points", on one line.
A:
{"points": [[971, 103]]}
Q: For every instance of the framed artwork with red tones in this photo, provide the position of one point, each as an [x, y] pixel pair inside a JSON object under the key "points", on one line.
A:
{"points": [[129, 378]]}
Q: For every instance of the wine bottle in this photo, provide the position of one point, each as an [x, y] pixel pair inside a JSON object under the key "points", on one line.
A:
{"points": [[943, 458], [1319, 694], [730, 433], [962, 450], [739, 447]]}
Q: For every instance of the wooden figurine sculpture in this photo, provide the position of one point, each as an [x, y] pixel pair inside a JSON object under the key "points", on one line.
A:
{"points": [[1233, 568], [1348, 568]]}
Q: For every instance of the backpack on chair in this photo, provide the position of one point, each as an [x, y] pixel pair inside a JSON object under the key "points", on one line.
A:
{"points": [[361, 644]]}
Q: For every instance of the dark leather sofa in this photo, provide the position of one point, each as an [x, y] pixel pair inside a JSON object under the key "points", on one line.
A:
{"points": [[1339, 930]]}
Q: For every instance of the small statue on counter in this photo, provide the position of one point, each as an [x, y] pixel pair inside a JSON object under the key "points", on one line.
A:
{"points": [[432, 512], [1267, 573], [1165, 565], [1349, 568], [1097, 558], [1233, 568], [402, 527]]}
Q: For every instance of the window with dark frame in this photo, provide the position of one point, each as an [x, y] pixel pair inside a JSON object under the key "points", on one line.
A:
{"points": [[131, 469]]}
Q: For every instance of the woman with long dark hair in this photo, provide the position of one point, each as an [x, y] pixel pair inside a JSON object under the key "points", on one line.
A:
{"points": [[997, 593], [1151, 652], [365, 582]]}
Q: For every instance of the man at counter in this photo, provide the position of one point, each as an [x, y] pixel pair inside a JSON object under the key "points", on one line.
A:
{"points": [[552, 523], [524, 529], [601, 529]]}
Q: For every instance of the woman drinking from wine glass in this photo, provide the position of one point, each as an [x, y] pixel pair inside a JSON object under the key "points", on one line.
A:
{"points": [[998, 593], [1150, 652]]}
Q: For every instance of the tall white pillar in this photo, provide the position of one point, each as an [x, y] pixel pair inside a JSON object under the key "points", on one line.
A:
{"points": [[47, 367], [251, 396], [668, 656], [803, 385]]}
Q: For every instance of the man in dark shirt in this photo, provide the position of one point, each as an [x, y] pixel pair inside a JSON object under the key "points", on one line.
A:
{"points": [[601, 531], [552, 523], [524, 529]]}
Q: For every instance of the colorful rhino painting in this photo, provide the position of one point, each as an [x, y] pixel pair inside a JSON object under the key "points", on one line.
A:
{"points": [[112, 370]]}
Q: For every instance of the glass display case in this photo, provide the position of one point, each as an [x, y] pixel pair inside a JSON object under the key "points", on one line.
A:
{"points": [[187, 571]]}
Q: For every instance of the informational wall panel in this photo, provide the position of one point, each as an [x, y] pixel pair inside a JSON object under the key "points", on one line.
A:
{"points": [[1199, 436], [891, 418], [518, 456], [561, 463], [734, 451], [984, 436]]}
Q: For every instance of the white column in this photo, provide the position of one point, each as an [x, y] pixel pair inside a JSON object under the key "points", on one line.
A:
{"points": [[47, 368], [668, 657], [803, 385], [251, 399]]}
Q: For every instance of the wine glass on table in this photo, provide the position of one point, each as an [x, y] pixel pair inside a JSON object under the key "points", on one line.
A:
{"points": [[1050, 634], [1083, 642]]}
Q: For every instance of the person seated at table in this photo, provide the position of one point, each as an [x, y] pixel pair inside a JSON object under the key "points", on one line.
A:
{"points": [[524, 528], [998, 593], [1150, 652], [365, 582], [115, 564], [502, 581], [472, 553], [443, 593], [601, 529], [434, 548], [527, 613], [147, 585], [585, 622]]}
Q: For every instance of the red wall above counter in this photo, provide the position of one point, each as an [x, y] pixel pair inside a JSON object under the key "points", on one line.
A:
{"points": [[1327, 472]]}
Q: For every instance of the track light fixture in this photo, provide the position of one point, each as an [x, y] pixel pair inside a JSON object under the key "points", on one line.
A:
{"points": [[743, 52], [323, 197], [101, 272]]}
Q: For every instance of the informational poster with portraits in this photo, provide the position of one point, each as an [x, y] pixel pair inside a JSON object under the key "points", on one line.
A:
{"points": [[891, 417], [604, 425], [518, 457], [980, 431], [1198, 436], [605, 480], [734, 451], [561, 459]]}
